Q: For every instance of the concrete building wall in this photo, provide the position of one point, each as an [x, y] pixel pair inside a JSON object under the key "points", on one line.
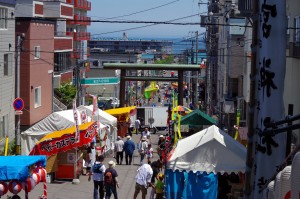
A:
{"points": [[36, 72], [7, 82]]}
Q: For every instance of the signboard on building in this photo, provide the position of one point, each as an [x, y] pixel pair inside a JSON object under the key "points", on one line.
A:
{"points": [[83, 50], [100, 81]]}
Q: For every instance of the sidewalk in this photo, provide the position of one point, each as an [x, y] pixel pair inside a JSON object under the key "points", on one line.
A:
{"points": [[67, 190]]}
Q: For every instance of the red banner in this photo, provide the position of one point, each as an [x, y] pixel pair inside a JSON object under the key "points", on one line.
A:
{"points": [[65, 142]]}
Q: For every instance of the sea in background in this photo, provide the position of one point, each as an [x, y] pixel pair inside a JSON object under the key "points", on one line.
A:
{"points": [[181, 44]]}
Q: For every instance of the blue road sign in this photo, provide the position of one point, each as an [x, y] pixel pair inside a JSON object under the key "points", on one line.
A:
{"points": [[18, 104]]}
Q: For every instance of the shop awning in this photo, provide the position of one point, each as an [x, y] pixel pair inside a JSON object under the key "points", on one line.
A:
{"points": [[18, 167], [123, 114], [197, 117], [64, 140]]}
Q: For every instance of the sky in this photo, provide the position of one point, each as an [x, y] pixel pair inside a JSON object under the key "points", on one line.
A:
{"points": [[116, 9]]}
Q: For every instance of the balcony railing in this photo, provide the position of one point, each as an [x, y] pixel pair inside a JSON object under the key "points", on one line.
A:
{"points": [[81, 4], [80, 20]]}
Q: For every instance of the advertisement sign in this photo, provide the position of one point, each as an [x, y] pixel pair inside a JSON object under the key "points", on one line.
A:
{"points": [[269, 150], [66, 141], [70, 157], [75, 113]]}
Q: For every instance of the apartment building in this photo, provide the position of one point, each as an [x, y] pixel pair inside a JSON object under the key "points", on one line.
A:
{"points": [[42, 25], [7, 69]]}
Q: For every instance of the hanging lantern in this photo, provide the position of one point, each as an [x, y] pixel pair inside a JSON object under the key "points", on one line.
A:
{"points": [[30, 183], [14, 187], [43, 173], [3, 188], [36, 177]]}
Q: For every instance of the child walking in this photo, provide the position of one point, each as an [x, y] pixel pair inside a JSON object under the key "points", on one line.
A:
{"points": [[149, 153], [159, 186]]}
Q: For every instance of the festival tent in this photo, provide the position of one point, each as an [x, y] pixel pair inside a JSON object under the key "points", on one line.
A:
{"points": [[105, 118], [203, 154], [22, 172], [197, 118], [58, 121]]}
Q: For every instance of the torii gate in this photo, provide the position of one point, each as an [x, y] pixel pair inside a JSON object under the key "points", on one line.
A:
{"points": [[125, 66]]}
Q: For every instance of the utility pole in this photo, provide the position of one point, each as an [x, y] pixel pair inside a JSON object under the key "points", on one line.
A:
{"points": [[252, 102], [192, 78], [17, 91], [196, 74]]}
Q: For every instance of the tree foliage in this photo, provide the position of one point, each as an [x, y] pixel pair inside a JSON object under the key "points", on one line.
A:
{"points": [[168, 60], [66, 93]]}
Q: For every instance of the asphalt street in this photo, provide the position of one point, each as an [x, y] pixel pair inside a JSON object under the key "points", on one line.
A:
{"points": [[67, 190]]}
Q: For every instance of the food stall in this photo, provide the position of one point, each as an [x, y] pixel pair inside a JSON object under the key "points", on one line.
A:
{"points": [[56, 134], [123, 116], [22, 172]]}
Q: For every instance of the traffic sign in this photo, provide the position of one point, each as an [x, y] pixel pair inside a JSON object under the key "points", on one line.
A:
{"points": [[18, 112], [18, 104], [100, 81]]}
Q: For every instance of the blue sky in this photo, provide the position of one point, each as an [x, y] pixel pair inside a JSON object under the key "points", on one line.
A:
{"points": [[102, 9]]}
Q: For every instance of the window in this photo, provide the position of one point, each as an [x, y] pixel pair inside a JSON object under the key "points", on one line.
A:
{"points": [[37, 97], [3, 126], [8, 64], [297, 29], [37, 52], [3, 18]]}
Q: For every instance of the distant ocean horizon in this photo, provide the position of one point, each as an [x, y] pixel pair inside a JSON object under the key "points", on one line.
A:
{"points": [[179, 44]]}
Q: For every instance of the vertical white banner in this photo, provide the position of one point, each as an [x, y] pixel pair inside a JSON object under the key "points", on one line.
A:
{"points": [[269, 150], [95, 113], [75, 113]]}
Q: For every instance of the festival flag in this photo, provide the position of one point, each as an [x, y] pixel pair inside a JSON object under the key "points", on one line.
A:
{"points": [[75, 113], [238, 116], [95, 113], [269, 150]]}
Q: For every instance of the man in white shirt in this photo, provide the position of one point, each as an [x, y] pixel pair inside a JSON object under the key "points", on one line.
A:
{"points": [[98, 171], [91, 157], [143, 180], [119, 144], [137, 124]]}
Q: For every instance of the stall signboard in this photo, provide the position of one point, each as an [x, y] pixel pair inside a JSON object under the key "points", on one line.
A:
{"points": [[66, 141]]}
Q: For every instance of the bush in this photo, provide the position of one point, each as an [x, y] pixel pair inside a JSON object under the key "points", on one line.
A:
{"points": [[66, 93]]}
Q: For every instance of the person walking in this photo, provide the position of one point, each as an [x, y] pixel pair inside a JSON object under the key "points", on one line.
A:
{"points": [[119, 150], [161, 146], [129, 148], [143, 148], [143, 180], [159, 186], [156, 167], [98, 171], [111, 181], [149, 153], [137, 125], [90, 158]]}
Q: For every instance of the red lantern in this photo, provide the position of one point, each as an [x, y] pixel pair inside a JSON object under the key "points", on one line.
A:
{"points": [[30, 183], [43, 173], [3, 188], [36, 177], [14, 187]]}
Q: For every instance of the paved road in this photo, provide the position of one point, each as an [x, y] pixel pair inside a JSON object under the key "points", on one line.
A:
{"points": [[66, 190]]}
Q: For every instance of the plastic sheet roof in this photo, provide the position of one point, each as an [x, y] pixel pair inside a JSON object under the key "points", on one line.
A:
{"points": [[17, 167]]}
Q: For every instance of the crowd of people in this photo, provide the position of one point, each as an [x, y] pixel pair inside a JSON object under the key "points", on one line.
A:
{"points": [[149, 174]]}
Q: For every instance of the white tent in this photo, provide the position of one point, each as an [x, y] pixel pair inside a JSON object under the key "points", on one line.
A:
{"points": [[104, 117], [59, 121], [210, 150]]}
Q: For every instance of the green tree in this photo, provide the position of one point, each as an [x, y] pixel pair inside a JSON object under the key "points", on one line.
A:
{"points": [[66, 93], [168, 60]]}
